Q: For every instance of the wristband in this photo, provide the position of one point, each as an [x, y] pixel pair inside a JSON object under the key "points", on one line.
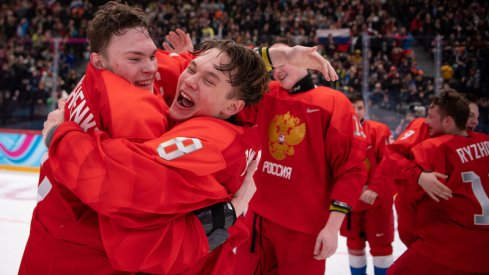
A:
{"points": [[339, 206], [265, 55]]}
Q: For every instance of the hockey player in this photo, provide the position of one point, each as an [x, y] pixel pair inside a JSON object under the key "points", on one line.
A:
{"points": [[309, 177], [452, 234], [372, 219], [398, 157]]}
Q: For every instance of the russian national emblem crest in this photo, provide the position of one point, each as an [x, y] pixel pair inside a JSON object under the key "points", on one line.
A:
{"points": [[284, 132]]}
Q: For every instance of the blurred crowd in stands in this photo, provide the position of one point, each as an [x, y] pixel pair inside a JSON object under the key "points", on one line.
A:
{"points": [[397, 83]]}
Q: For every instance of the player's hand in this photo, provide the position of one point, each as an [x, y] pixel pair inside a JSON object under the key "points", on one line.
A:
{"points": [[368, 196], [431, 184], [179, 42], [243, 196], [55, 118], [326, 243], [61, 103], [304, 57]]}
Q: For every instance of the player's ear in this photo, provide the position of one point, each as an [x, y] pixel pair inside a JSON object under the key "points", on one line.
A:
{"points": [[449, 122], [96, 60], [234, 107]]}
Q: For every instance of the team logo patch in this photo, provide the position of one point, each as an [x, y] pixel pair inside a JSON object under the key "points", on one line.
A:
{"points": [[177, 147], [285, 132]]}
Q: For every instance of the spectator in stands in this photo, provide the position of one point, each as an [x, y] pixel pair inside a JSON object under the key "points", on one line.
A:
{"points": [[389, 25]]}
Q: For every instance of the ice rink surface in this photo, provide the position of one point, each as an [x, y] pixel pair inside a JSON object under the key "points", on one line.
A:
{"points": [[18, 198]]}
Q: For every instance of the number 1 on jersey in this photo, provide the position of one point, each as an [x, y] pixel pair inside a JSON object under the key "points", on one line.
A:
{"points": [[480, 194]]}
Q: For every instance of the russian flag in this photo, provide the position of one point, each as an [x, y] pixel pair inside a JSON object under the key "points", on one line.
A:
{"points": [[341, 37]]}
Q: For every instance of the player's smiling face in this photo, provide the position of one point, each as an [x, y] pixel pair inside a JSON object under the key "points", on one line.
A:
{"points": [[288, 75], [203, 90], [130, 55]]}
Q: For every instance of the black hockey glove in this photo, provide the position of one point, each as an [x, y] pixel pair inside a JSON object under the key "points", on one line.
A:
{"points": [[216, 220]]}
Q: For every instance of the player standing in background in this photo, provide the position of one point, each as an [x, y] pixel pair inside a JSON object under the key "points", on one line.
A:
{"points": [[397, 156], [372, 218], [310, 175], [453, 234]]}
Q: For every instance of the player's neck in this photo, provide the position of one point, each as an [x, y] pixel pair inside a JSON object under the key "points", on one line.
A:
{"points": [[460, 133]]}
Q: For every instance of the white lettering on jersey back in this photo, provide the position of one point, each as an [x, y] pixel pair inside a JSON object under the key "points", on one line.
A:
{"points": [[79, 113], [277, 170], [473, 151], [79, 110]]}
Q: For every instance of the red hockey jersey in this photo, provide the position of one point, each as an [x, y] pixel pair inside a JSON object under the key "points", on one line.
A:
{"points": [[314, 154], [397, 159], [60, 220], [455, 232], [378, 136], [145, 186]]}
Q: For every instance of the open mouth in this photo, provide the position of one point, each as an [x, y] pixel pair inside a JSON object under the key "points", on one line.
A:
{"points": [[185, 101]]}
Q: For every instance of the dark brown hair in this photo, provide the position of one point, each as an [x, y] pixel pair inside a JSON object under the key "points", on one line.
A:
{"points": [[355, 97], [471, 98], [453, 104], [247, 73], [111, 19]]}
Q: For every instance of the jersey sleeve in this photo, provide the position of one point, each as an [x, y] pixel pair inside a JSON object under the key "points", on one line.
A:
{"points": [[397, 163], [426, 157], [345, 152], [116, 177]]}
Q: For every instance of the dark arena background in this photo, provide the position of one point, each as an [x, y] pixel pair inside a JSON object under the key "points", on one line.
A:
{"points": [[397, 54]]}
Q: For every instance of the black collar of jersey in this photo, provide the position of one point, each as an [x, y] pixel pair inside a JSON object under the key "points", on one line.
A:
{"points": [[303, 85]]}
